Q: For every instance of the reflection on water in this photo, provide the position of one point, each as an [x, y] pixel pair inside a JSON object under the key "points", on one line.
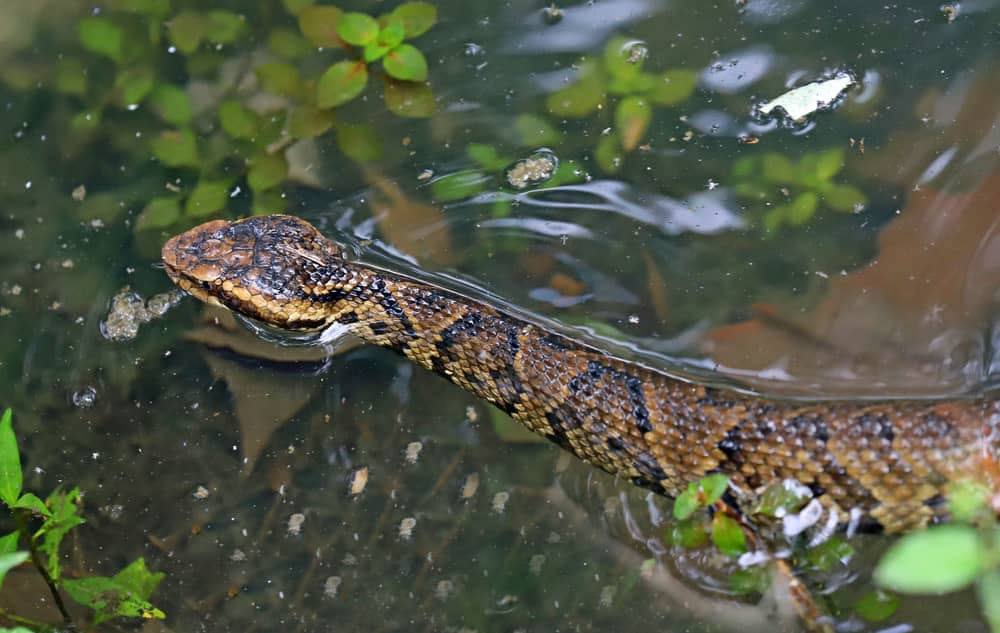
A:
{"points": [[199, 446]]}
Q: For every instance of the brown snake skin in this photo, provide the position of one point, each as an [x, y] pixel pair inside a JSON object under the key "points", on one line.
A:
{"points": [[890, 460]]}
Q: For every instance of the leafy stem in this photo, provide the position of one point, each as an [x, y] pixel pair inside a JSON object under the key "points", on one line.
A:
{"points": [[36, 560]]}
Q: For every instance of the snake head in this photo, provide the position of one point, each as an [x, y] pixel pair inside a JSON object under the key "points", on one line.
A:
{"points": [[274, 268]]}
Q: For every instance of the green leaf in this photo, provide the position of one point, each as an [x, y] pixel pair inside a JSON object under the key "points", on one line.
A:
{"points": [[459, 185], [876, 606], [579, 99], [319, 25], [744, 167], [224, 27], [487, 156], [829, 554], [10, 462], [288, 44], [296, 7], [133, 84], [632, 118], [8, 542], [988, 589], [279, 78], [307, 121], [176, 148], [967, 499], [712, 487], [938, 560], [534, 131], [65, 517], [624, 57], [406, 62], [171, 104], [16, 629], [829, 163], [138, 579], [409, 99], [159, 213], [750, 580], [844, 198], [359, 142], [237, 121], [777, 168], [100, 35], [358, 29], [186, 31], [417, 17], [673, 86], [781, 498], [70, 76], [802, 208], [207, 197], [728, 535], [609, 154], [29, 501], [268, 202], [340, 83], [9, 561], [267, 171], [687, 534], [110, 598], [687, 503]]}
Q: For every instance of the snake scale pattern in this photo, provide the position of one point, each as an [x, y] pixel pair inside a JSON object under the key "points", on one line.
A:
{"points": [[890, 460]]}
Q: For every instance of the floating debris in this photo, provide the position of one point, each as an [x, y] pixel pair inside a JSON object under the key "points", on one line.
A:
{"points": [[201, 492], [951, 11], [406, 528], [535, 564], [357, 480], [500, 500], [331, 586], [79, 193], [129, 311], [552, 14], [444, 589], [470, 486], [532, 171], [295, 523], [238, 556], [413, 452], [608, 595], [800, 102]]}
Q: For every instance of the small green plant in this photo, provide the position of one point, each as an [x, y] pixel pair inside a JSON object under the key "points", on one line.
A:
{"points": [[793, 191], [41, 528]]}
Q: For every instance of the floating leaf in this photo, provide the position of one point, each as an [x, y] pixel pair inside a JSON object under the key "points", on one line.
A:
{"points": [[267, 171], [938, 560], [176, 148], [406, 62], [358, 29], [389, 37], [224, 27], [237, 121], [632, 118], [359, 142], [207, 198], [9, 561], [109, 598], [186, 31], [340, 83], [409, 99], [30, 502], [10, 462], [307, 121], [133, 84], [876, 606], [279, 77], [580, 98], [534, 131], [296, 7], [728, 535], [319, 25], [159, 213], [102, 36], [417, 17], [673, 86], [288, 44], [171, 104], [70, 76], [608, 154]]}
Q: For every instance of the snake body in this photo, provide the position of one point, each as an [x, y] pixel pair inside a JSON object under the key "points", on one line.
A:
{"points": [[889, 462]]}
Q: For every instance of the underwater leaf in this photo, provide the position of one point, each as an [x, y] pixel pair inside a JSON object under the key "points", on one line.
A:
{"points": [[844, 198], [359, 142], [268, 202], [534, 131], [288, 44], [156, 9], [132, 85], [623, 58], [10, 560], [159, 213], [296, 7], [417, 17], [781, 498], [777, 168], [340, 83], [186, 31], [307, 121], [100, 35], [579, 99], [70, 76], [224, 27], [802, 208], [237, 121], [876, 606], [10, 462], [673, 86], [459, 185], [171, 104], [207, 197], [279, 78], [409, 98], [176, 148], [728, 535], [267, 171], [938, 560], [687, 534], [406, 62], [319, 25], [829, 554], [750, 580], [632, 118], [609, 154], [110, 598], [358, 29], [389, 37], [829, 163], [487, 156]]}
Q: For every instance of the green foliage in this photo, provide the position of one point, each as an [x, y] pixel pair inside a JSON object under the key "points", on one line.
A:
{"points": [[790, 193], [876, 606], [340, 83], [124, 595], [700, 495]]}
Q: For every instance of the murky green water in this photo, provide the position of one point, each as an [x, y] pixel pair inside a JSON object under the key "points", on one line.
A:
{"points": [[852, 253]]}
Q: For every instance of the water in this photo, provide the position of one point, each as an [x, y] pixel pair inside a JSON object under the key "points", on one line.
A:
{"points": [[202, 448]]}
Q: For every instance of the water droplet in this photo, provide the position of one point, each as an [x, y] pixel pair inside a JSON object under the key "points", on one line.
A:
{"points": [[85, 398]]}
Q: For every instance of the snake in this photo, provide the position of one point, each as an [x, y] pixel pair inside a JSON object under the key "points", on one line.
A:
{"points": [[887, 465]]}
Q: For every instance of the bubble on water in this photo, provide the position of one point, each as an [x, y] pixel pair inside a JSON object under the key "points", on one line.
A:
{"points": [[534, 170], [85, 398]]}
